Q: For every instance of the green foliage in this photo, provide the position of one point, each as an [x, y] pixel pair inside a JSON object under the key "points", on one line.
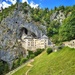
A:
{"points": [[49, 50], [38, 51], [30, 54], [23, 60], [55, 38], [36, 18], [53, 28], [33, 54], [67, 30], [62, 8], [19, 62], [16, 63], [3, 68], [6, 12]]}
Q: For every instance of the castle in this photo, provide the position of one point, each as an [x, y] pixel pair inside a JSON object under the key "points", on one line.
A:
{"points": [[32, 43]]}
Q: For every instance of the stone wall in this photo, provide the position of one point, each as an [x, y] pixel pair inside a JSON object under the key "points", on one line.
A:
{"points": [[70, 44]]}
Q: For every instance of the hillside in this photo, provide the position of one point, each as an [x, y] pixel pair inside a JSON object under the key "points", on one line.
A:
{"points": [[58, 24], [56, 63]]}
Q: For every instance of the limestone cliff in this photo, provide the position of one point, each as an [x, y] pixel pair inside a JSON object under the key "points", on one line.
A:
{"points": [[58, 16], [11, 29]]}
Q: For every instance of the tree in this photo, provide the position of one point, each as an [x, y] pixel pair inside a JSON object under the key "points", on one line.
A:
{"points": [[61, 8], [46, 10], [67, 30], [53, 28], [18, 1], [55, 8], [3, 68], [49, 50]]}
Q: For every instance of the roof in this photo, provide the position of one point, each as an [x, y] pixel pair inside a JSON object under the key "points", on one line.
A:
{"points": [[44, 37], [28, 37]]}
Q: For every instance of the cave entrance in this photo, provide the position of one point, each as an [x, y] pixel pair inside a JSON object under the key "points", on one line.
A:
{"points": [[24, 30]]}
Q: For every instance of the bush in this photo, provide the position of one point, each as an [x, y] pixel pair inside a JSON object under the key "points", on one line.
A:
{"points": [[38, 51], [23, 60], [19, 62], [49, 50], [30, 54], [16, 63], [4, 68]]}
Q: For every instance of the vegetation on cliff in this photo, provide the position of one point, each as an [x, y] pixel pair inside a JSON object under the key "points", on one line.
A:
{"points": [[67, 30], [43, 17]]}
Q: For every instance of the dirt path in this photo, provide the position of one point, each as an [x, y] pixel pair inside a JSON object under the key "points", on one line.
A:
{"points": [[30, 65], [13, 71], [28, 70]]}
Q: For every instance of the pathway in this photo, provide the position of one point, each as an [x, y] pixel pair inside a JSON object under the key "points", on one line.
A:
{"points": [[29, 64], [13, 71]]}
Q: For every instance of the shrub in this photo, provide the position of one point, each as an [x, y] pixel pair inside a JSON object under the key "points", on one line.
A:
{"points": [[30, 54], [38, 51], [49, 50], [23, 60], [4, 68], [16, 63]]}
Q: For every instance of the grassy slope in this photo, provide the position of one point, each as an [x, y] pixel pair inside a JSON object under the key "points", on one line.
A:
{"points": [[56, 63], [21, 71]]}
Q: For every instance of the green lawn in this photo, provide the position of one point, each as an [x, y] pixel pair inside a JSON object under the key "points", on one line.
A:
{"points": [[21, 71], [56, 63]]}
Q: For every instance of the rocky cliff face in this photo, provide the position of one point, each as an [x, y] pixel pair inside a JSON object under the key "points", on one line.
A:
{"points": [[11, 31], [58, 16]]}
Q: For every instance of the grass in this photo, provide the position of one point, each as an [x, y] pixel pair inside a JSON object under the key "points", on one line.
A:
{"points": [[21, 71], [56, 63]]}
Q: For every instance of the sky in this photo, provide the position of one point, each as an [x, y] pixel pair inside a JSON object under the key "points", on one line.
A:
{"points": [[42, 3]]}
